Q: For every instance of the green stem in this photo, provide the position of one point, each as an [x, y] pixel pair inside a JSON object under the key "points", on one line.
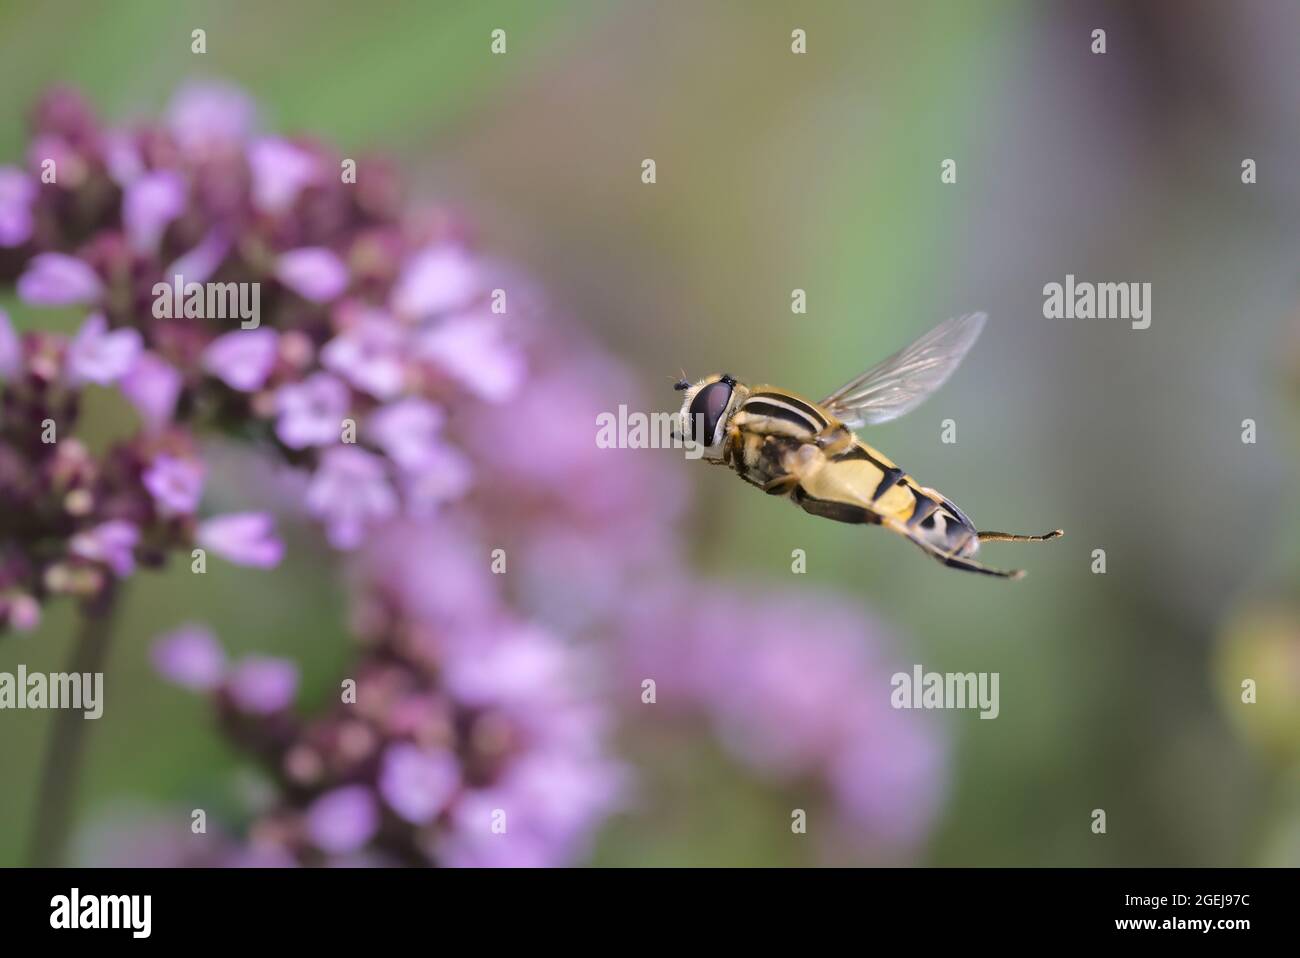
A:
{"points": [[63, 756]]}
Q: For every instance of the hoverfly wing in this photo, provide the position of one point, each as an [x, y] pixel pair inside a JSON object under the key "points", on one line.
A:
{"points": [[903, 381]]}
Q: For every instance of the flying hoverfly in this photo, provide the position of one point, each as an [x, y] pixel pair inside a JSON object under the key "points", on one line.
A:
{"points": [[787, 445]]}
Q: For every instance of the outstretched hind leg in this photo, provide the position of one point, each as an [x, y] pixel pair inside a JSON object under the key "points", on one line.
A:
{"points": [[970, 565]]}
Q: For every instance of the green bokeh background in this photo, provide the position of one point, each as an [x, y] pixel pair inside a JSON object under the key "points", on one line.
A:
{"points": [[821, 172]]}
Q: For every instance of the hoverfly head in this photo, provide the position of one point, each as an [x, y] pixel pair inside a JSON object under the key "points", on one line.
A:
{"points": [[706, 408]]}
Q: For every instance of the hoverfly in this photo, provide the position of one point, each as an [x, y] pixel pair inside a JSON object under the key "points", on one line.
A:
{"points": [[787, 445]]}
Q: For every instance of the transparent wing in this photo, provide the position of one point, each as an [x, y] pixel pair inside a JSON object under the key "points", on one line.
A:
{"points": [[903, 381]]}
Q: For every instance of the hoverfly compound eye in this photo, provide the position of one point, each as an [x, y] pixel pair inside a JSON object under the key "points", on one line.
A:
{"points": [[707, 410]]}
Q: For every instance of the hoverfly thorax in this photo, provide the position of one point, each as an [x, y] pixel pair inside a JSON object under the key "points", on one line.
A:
{"points": [[707, 406]]}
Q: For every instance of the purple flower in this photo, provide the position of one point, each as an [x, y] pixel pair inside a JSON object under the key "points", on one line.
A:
{"points": [[407, 431], [175, 484], [311, 412], [56, 279], [17, 191], [798, 704], [99, 356], [243, 359], [202, 261], [244, 538], [448, 587], [350, 491], [112, 543], [11, 348], [20, 611], [122, 158], [436, 280], [418, 783], [442, 475], [67, 159], [370, 356], [521, 666], [343, 820], [313, 272], [473, 842], [149, 204], [210, 118], [153, 386], [539, 814], [888, 782], [190, 657], [474, 351], [259, 685], [281, 171]]}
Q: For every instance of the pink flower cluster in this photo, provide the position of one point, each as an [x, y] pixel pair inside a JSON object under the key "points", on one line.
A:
{"points": [[368, 329], [464, 736]]}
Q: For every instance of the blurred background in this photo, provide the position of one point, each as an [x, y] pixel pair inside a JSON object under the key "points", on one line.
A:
{"points": [[821, 172]]}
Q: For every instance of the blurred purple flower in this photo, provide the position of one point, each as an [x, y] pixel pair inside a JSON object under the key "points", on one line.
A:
{"points": [[17, 191], [343, 820], [370, 356], [207, 117], [67, 159], [407, 431], [98, 356], [260, 685], [442, 475], [795, 703], [121, 157], [20, 611], [514, 666], [244, 358], [175, 484], [244, 538], [112, 543], [313, 273], [350, 492], [545, 802], [889, 782], [436, 280], [153, 386], [190, 657], [56, 279], [149, 204], [448, 588], [476, 352], [198, 265], [418, 783], [11, 348], [281, 171], [312, 412]]}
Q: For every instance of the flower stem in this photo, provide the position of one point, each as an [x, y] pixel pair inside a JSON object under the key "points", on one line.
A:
{"points": [[62, 766]]}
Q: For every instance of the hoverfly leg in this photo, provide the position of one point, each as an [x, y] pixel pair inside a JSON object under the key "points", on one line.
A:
{"points": [[969, 565], [954, 559], [780, 486], [1012, 537]]}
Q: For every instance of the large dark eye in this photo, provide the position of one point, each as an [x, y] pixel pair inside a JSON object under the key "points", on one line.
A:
{"points": [[710, 403]]}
